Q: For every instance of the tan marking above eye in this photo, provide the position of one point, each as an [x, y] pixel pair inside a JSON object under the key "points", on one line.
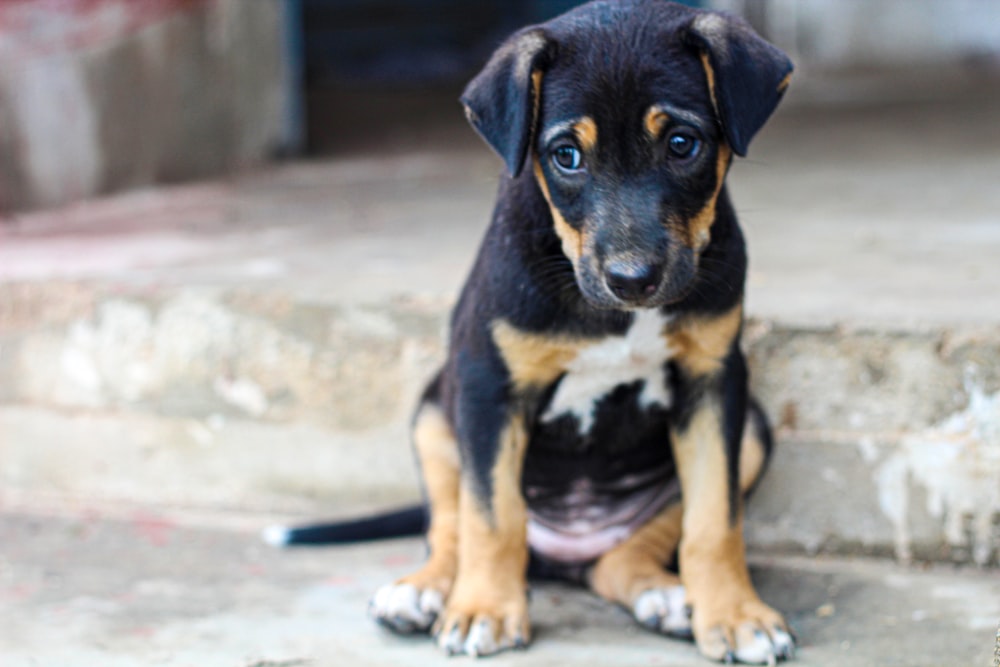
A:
{"points": [[655, 120], [585, 131]]}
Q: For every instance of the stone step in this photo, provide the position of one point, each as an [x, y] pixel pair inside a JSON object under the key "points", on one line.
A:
{"points": [[260, 343], [887, 439]]}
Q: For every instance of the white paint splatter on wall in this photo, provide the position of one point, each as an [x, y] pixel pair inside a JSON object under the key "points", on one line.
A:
{"points": [[957, 463]]}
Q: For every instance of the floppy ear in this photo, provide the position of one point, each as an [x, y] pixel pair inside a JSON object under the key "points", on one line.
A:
{"points": [[502, 101], [746, 75]]}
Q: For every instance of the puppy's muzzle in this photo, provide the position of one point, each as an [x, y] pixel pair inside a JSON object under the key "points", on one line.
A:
{"points": [[633, 281]]}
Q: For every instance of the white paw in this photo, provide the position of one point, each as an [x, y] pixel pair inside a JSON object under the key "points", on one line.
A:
{"points": [[784, 644], [755, 646], [404, 608], [482, 639], [664, 610]]}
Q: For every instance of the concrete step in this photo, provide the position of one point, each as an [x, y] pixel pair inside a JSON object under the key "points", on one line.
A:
{"points": [[887, 440], [259, 343], [129, 586]]}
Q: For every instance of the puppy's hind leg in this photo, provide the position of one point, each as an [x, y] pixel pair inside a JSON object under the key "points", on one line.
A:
{"points": [[634, 575], [413, 603]]}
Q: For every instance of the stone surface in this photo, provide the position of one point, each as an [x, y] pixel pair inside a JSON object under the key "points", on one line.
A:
{"points": [[127, 585]]}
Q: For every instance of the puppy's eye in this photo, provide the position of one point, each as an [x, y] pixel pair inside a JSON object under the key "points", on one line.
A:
{"points": [[683, 144], [568, 158]]}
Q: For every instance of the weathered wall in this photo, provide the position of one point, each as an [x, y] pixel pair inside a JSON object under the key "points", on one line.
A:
{"points": [[103, 95], [834, 34]]}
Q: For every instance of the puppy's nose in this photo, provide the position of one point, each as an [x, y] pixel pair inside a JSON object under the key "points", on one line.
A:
{"points": [[630, 281]]}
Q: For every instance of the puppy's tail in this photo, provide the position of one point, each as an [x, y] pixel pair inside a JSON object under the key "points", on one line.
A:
{"points": [[404, 522]]}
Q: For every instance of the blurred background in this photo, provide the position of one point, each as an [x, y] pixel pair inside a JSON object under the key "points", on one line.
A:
{"points": [[230, 235], [98, 96]]}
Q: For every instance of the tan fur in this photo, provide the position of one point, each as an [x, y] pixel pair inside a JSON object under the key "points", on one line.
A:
{"points": [[784, 83], [701, 344], [700, 225], [585, 131], [572, 240], [536, 103], [437, 452], [492, 550], [752, 457], [637, 564], [710, 77], [533, 360], [654, 121], [712, 553], [709, 536]]}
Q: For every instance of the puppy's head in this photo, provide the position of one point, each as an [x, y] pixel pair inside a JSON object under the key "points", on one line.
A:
{"points": [[628, 114]]}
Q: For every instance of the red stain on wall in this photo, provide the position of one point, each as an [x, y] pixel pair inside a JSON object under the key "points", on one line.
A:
{"points": [[153, 528], [35, 28]]}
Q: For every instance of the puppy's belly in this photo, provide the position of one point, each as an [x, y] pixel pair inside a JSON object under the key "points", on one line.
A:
{"points": [[586, 523], [587, 491]]}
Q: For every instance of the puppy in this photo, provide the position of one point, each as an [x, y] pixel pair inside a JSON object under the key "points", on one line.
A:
{"points": [[593, 414]]}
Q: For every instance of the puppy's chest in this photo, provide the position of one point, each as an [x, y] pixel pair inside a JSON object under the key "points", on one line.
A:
{"points": [[614, 376]]}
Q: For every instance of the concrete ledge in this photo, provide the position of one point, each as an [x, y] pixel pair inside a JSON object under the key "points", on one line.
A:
{"points": [[892, 437], [888, 441]]}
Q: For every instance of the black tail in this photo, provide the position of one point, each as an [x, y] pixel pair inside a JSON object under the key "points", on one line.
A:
{"points": [[404, 522]]}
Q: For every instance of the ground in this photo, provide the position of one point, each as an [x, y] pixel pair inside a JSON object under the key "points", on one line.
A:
{"points": [[123, 587]]}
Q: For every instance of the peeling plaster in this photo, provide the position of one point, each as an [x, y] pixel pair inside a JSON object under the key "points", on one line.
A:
{"points": [[244, 394], [957, 463], [130, 352]]}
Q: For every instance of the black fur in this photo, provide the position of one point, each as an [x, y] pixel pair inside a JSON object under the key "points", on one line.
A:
{"points": [[589, 68], [403, 522], [601, 319], [610, 62]]}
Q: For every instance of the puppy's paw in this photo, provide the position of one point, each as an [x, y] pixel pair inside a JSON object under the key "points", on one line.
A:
{"points": [[406, 609], [748, 632], [471, 629], [664, 610]]}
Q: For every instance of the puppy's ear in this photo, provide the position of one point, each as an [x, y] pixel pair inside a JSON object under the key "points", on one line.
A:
{"points": [[502, 101], [746, 75]]}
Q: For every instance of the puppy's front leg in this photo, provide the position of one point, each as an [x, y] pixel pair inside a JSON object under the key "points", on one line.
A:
{"points": [[487, 610], [729, 620]]}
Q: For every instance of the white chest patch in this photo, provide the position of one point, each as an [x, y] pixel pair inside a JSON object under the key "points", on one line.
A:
{"points": [[599, 368]]}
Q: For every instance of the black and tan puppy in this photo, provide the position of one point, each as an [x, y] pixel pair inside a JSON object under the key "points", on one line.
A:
{"points": [[593, 408]]}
